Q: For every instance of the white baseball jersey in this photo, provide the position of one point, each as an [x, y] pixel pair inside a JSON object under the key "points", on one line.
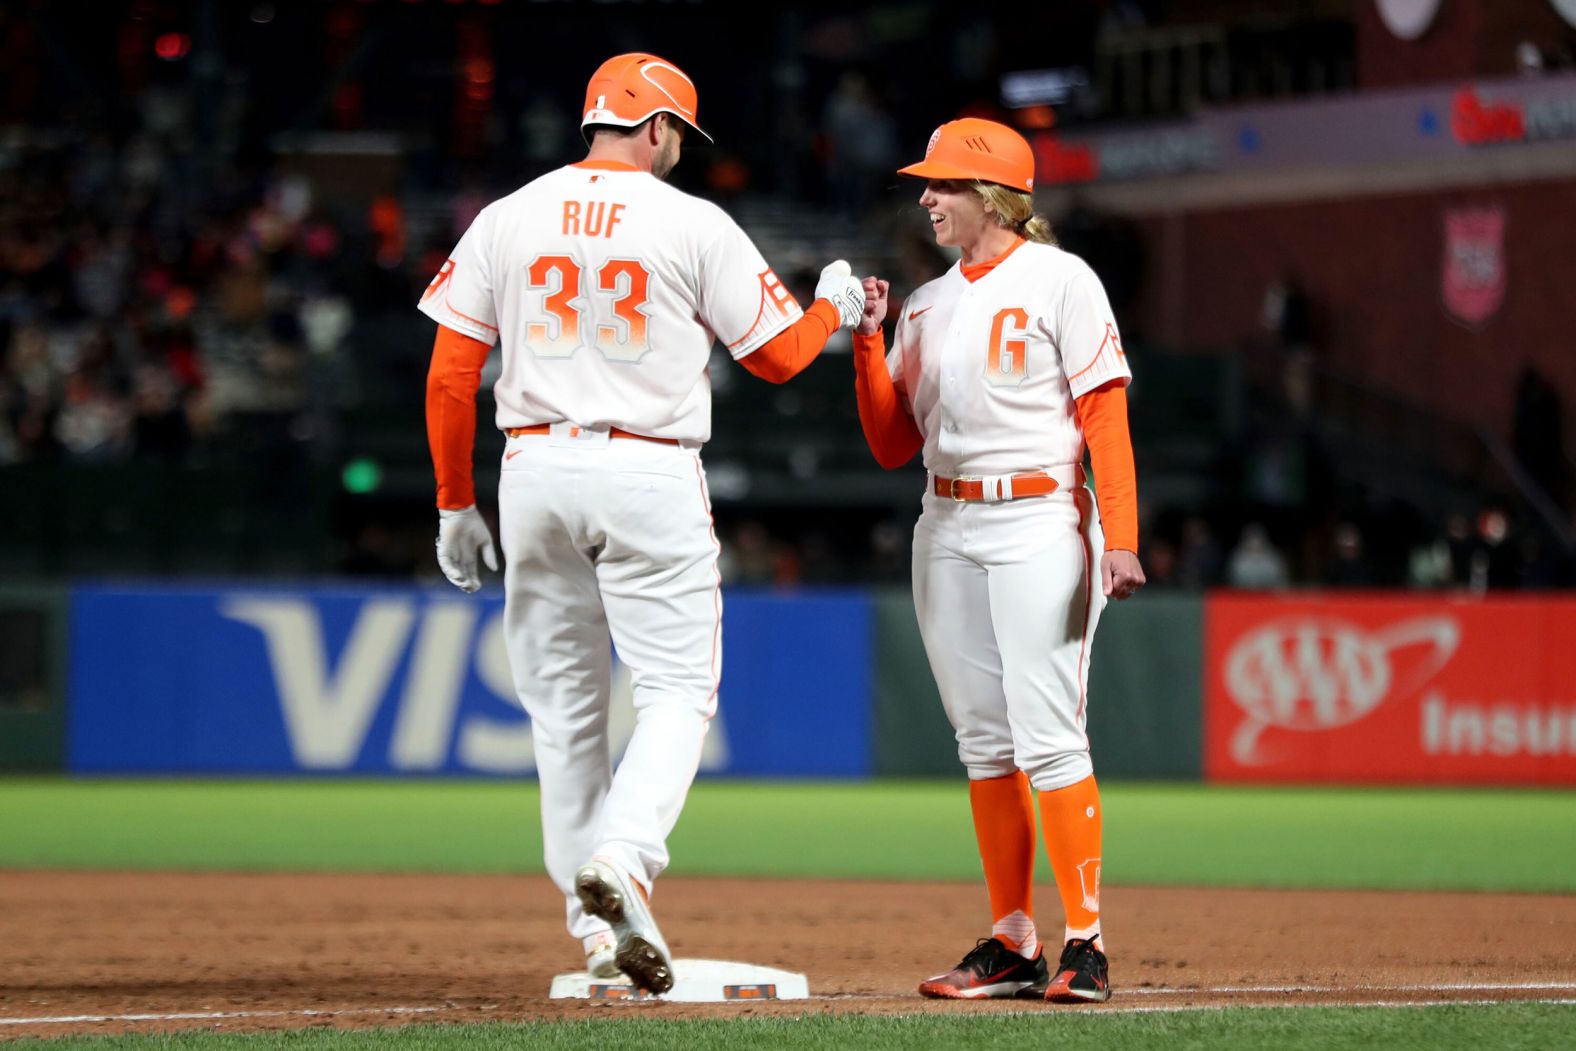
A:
{"points": [[607, 287], [991, 368]]}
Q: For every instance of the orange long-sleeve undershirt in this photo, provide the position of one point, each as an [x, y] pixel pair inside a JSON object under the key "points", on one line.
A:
{"points": [[889, 429], [1102, 413], [786, 354], [452, 381]]}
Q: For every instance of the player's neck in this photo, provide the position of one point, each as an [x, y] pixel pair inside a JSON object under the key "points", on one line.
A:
{"points": [[622, 151], [992, 242]]}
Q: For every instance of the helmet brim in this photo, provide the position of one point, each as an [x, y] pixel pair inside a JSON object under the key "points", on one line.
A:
{"points": [[935, 169], [602, 117]]}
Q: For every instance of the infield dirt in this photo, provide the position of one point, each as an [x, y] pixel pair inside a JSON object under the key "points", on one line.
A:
{"points": [[284, 951]]}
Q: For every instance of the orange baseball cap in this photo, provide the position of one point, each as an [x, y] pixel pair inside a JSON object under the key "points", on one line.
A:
{"points": [[628, 89], [971, 148]]}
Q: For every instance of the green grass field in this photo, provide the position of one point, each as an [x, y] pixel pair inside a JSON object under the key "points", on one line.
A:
{"points": [[1156, 834], [1503, 1027]]}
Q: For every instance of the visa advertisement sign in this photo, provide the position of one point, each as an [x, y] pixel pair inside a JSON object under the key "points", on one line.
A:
{"points": [[1399, 689], [389, 682]]}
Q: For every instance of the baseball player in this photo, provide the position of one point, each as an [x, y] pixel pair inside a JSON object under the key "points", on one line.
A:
{"points": [[1003, 370], [607, 288]]}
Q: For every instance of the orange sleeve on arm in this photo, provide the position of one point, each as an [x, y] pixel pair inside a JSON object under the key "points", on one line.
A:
{"points": [[786, 354], [1103, 414], [889, 429], [452, 382]]}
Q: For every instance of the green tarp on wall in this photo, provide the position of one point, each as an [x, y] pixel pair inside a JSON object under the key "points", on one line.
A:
{"points": [[32, 678], [1145, 694]]}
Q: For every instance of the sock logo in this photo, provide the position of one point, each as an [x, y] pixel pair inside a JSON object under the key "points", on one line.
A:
{"points": [[1089, 881]]}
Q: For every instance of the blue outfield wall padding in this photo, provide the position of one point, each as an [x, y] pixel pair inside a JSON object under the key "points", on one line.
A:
{"points": [[390, 681]]}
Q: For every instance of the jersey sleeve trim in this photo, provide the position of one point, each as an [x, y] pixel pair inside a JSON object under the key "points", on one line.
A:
{"points": [[787, 311], [787, 354], [448, 317], [757, 336], [1109, 363]]}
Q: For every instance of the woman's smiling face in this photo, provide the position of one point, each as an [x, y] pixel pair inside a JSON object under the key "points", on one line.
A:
{"points": [[957, 214]]}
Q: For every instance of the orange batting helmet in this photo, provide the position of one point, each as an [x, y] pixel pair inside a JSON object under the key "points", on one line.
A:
{"points": [[971, 148], [626, 90]]}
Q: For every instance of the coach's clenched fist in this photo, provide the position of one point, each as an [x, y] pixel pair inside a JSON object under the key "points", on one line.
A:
{"points": [[1120, 574], [876, 291]]}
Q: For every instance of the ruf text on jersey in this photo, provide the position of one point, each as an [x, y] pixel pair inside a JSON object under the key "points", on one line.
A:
{"points": [[599, 218]]}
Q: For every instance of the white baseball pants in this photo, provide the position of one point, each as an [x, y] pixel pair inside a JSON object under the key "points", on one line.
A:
{"points": [[1008, 596], [610, 540]]}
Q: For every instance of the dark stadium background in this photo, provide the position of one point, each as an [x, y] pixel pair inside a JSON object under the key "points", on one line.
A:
{"points": [[215, 218]]}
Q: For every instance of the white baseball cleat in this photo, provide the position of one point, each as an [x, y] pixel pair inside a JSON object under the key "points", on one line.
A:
{"points": [[640, 952], [600, 948]]}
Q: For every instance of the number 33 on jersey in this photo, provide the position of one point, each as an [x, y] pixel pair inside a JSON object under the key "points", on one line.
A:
{"points": [[612, 287]]}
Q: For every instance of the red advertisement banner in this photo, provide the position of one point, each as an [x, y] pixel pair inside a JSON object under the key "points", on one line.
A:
{"points": [[1357, 688]]}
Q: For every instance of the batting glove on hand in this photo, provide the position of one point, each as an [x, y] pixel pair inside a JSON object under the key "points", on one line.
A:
{"points": [[839, 288], [460, 534]]}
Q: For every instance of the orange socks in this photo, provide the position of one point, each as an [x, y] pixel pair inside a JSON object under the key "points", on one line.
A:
{"points": [[1070, 818], [1004, 826]]}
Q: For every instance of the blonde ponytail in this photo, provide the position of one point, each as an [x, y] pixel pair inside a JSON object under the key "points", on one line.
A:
{"points": [[1037, 228], [1014, 209]]}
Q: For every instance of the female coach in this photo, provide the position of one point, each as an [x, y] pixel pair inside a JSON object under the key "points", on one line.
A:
{"points": [[1004, 370]]}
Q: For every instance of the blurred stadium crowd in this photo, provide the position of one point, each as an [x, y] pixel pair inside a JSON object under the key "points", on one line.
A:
{"points": [[181, 290]]}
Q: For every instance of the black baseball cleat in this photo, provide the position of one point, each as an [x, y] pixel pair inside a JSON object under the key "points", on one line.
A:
{"points": [[1082, 976], [989, 970]]}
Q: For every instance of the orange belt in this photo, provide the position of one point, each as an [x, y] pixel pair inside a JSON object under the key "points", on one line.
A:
{"points": [[994, 488], [616, 432]]}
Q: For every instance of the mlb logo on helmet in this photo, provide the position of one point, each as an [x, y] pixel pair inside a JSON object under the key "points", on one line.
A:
{"points": [[971, 148]]}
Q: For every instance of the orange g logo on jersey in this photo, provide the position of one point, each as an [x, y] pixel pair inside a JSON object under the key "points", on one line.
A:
{"points": [[1006, 361]]}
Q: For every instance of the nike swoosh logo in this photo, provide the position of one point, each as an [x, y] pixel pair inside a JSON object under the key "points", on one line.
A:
{"points": [[916, 313], [511, 454], [992, 979]]}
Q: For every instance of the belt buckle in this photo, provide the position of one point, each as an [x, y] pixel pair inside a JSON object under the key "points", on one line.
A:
{"points": [[952, 489]]}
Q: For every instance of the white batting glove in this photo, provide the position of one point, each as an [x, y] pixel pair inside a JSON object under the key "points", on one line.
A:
{"points": [[839, 288], [460, 534]]}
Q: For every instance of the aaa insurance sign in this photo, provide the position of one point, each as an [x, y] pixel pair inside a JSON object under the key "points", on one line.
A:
{"points": [[1390, 689]]}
